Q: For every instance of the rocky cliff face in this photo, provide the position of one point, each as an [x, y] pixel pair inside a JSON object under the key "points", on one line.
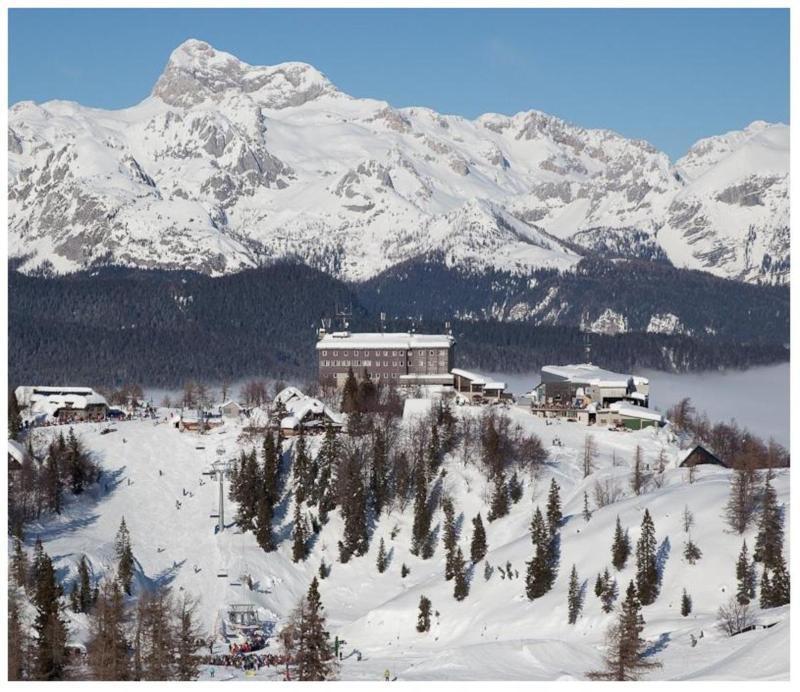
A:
{"points": [[228, 165]]}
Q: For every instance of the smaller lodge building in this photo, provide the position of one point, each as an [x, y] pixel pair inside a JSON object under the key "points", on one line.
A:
{"points": [[593, 396], [304, 413], [61, 404]]}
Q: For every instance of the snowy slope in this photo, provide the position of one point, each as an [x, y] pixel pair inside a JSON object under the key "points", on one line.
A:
{"points": [[227, 164], [496, 633]]}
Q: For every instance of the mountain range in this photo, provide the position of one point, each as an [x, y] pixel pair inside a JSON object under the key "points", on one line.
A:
{"points": [[228, 166]]}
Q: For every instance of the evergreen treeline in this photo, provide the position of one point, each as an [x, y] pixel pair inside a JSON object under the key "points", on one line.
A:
{"points": [[41, 486], [112, 326]]}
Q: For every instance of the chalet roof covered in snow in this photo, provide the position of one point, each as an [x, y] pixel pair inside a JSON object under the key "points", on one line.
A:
{"points": [[586, 373], [287, 394], [635, 411], [50, 399], [471, 376], [402, 340], [17, 451]]}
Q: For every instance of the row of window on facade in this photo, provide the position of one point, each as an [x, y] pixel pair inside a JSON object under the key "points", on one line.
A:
{"points": [[442, 353], [365, 363]]}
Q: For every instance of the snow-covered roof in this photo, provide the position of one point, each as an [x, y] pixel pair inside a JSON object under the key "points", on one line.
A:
{"points": [[635, 411], [49, 399], [290, 422], [17, 451], [637, 395], [586, 373], [495, 385], [287, 394], [473, 377], [229, 402], [305, 405], [402, 340]]}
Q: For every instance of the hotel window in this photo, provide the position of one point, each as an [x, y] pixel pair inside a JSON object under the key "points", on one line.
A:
{"points": [[336, 353], [324, 353], [386, 353]]}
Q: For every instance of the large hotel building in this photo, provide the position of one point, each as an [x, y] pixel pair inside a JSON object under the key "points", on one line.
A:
{"points": [[393, 358]]}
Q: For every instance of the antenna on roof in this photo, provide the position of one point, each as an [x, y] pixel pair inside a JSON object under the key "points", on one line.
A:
{"points": [[383, 322], [343, 316]]}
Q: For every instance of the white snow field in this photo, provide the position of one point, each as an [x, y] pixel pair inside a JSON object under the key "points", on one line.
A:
{"points": [[496, 632]]}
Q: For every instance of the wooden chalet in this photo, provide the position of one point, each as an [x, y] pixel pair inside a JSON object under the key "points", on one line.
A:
{"points": [[700, 455]]}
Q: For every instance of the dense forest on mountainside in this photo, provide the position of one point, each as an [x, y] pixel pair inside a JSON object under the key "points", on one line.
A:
{"points": [[115, 325]]}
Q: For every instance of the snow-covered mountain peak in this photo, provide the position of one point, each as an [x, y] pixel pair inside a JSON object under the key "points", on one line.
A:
{"points": [[228, 164], [197, 72]]}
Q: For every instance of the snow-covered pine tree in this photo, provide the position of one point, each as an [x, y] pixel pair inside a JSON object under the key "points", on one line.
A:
{"points": [[686, 604], [610, 592], [379, 471], [422, 517], [779, 588], [301, 468], [598, 585], [355, 511], [404, 571], [478, 547], [574, 597], [84, 586], [620, 547], [514, 488], [554, 515], [691, 551], [449, 537], [539, 575], [646, 571], [769, 541], [124, 553], [499, 506], [741, 501], [745, 577], [299, 534], [424, 617], [624, 658], [326, 461], [461, 584], [587, 513], [187, 633], [382, 557], [19, 564], [50, 627]]}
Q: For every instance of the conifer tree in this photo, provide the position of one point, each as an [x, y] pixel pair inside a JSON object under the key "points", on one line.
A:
{"points": [[53, 483], [686, 604], [326, 462], [301, 468], [424, 617], [433, 452], [610, 592], [499, 506], [646, 571], [187, 634], [539, 575], [422, 518], [514, 488], [478, 547], [382, 563], [741, 501], [620, 548], [355, 512], [780, 589], [598, 585], [574, 597], [379, 480], [587, 513], [554, 515], [18, 659], [299, 534], [766, 590], [84, 586], [350, 403], [404, 571], [263, 523], [108, 649], [461, 584], [624, 658], [124, 552], [745, 577], [449, 538], [769, 541], [19, 564], [49, 625], [539, 533], [691, 551], [154, 637]]}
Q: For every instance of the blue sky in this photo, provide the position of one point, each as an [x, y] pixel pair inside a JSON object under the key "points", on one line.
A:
{"points": [[668, 76]]}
